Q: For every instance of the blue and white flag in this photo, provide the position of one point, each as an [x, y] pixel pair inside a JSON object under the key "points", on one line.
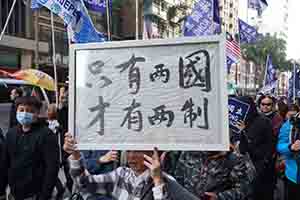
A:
{"points": [[294, 84], [259, 5], [271, 71], [291, 88], [98, 5], [248, 34], [204, 19], [76, 18], [270, 82]]}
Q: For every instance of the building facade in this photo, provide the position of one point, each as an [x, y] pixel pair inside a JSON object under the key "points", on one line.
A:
{"points": [[18, 44], [229, 15], [274, 19], [27, 42], [244, 75]]}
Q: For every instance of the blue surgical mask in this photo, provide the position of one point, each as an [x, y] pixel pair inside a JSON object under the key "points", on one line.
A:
{"points": [[25, 118]]}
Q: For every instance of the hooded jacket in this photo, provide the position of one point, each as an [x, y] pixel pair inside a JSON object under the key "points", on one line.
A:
{"points": [[30, 162]]}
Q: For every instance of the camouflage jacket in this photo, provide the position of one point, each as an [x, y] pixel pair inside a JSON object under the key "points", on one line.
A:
{"points": [[229, 175]]}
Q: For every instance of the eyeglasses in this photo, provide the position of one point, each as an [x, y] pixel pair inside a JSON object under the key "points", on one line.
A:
{"points": [[266, 104]]}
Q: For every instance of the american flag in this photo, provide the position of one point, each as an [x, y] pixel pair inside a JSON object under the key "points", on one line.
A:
{"points": [[233, 49]]}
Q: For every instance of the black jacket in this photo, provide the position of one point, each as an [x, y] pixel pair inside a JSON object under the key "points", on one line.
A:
{"points": [[12, 115], [30, 162], [257, 140]]}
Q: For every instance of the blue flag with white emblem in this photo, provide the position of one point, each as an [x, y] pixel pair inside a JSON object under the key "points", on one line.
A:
{"points": [[259, 5], [248, 34], [270, 82], [294, 84], [75, 16], [98, 5], [204, 19], [271, 71]]}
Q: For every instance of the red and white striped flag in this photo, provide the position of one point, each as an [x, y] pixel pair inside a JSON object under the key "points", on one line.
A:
{"points": [[233, 50]]}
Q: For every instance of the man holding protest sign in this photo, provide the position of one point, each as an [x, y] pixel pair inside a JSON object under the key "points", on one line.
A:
{"points": [[135, 96], [144, 176]]}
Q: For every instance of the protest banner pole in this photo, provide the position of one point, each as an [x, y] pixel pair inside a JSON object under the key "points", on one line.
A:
{"points": [[108, 20], [53, 59], [136, 19], [8, 18], [55, 75]]}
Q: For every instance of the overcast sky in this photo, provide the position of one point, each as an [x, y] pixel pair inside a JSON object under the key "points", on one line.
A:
{"points": [[271, 19]]}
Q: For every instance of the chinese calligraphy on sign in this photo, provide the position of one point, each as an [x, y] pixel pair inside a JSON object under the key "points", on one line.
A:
{"points": [[140, 95]]}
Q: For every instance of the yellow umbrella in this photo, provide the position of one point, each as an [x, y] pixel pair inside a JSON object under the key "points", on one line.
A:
{"points": [[36, 77]]}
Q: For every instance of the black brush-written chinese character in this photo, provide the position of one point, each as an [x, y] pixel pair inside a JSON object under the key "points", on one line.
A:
{"points": [[192, 112], [133, 117], [161, 115], [100, 116], [106, 81], [160, 72], [96, 68], [134, 75], [196, 72]]}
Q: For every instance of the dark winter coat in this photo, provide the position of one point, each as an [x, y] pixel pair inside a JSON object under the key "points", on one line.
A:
{"points": [[30, 162]]}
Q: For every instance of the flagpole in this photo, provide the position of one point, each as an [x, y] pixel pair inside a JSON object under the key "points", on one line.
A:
{"points": [[294, 83], [53, 59], [136, 19], [108, 20], [8, 18], [55, 76], [266, 69], [247, 14]]}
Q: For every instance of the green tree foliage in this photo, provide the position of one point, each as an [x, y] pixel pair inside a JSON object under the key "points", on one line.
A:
{"points": [[268, 44]]}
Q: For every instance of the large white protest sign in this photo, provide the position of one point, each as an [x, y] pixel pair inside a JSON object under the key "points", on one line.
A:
{"points": [[137, 95]]}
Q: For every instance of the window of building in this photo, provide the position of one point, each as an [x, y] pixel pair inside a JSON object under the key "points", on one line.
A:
{"points": [[156, 2], [163, 5]]}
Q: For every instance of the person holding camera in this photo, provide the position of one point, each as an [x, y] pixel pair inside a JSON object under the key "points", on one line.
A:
{"points": [[289, 146]]}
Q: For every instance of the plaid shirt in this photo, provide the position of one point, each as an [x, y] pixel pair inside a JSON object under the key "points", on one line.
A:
{"points": [[127, 186]]}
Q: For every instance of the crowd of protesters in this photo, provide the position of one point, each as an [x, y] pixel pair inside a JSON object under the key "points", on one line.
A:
{"points": [[263, 162]]}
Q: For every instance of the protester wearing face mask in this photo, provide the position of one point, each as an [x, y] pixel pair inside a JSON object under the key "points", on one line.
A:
{"points": [[14, 94], [31, 155]]}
